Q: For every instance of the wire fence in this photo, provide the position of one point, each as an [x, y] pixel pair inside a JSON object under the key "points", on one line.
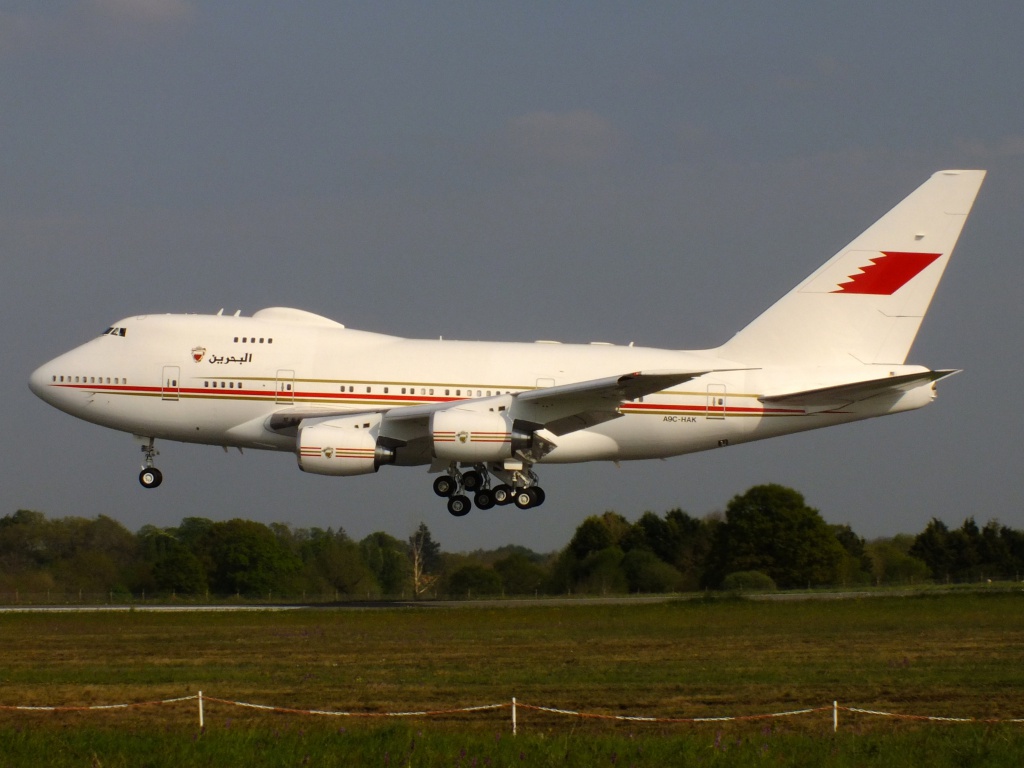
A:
{"points": [[202, 701]]}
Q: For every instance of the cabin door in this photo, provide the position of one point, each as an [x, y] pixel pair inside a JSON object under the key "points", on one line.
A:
{"points": [[169, 388]]}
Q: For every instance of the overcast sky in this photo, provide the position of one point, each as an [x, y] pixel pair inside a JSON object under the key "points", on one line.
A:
{"points": [[652, 172]]}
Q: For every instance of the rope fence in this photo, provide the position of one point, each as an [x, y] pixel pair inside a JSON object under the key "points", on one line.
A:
{"points": [[835, 708]]}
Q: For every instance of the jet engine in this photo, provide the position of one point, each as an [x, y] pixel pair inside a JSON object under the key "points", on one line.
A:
{"points": [[474, 437], [345, 445]]}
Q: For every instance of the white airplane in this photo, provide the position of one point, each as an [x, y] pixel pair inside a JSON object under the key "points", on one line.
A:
{"points": [[483, 415]]}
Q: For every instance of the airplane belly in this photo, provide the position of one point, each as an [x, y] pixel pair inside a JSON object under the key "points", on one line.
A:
{"points": [[231, 423]]}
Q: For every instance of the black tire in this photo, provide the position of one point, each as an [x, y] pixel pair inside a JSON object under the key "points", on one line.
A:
{"points": [[524, 498], [445, 486], [502, 494], [540, 495], [459, 505], [151, 477], [472, 481], [484, 499]]}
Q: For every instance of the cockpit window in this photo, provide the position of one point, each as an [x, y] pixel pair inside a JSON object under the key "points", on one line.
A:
{"points": [[113, 331]]}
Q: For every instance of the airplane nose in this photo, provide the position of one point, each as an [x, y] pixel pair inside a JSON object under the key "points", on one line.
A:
{"points": [[39, 382]]}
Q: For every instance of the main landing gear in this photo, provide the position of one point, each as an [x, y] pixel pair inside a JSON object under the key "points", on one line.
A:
{"points": [[150, 476], [520, 489]]}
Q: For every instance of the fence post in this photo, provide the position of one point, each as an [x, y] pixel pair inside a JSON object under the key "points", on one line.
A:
{"points": [[835, 716], [513, 715], [200, 710]]}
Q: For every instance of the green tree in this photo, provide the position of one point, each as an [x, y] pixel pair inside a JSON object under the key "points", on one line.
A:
{"points": [[856, 566], [332, 562], [592, 535], [387, 558], [601, 573], [249, 559], [474, 580], [646, 572], [892, 563], [173, 566], [520, 575], [772, 530], [934, 547]]}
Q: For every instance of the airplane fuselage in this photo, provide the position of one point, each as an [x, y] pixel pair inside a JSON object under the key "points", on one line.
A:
{"points": [[218, 380]]}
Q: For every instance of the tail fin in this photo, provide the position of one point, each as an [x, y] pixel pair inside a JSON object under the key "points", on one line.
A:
{"points": [[867, 302]]}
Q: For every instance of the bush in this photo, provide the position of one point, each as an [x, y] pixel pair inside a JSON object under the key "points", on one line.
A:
{"points": [[647, 573], [748, 581]]}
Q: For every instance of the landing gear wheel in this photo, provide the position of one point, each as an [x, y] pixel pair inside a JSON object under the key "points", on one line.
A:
{"points": [[502, 494], [484, 499], [472, 481], [540, 495], [525, 498], [151, 477], [445, 486], [459, 505]]}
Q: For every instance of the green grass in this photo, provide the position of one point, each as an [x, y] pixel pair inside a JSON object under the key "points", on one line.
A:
{"points": [[403, 745], [957, 655]]}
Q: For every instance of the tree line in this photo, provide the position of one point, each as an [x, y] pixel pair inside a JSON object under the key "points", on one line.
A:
{"points": [[766, 538]]}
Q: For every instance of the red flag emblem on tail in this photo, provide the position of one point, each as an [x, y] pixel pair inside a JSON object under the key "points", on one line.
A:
{"points": [[887, 273]]}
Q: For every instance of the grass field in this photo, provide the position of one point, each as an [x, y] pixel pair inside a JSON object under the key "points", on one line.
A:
{"points": [[956, 655]]}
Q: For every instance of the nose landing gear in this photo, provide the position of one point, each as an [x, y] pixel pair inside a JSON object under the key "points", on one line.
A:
{"points": [[150, 476]]}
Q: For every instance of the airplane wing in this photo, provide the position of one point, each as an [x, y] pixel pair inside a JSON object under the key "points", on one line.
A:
{"points": [[560, 409], [831, 398], [569, 407]]}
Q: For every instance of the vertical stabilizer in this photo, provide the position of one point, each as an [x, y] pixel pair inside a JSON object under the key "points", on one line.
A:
{"points": [[867, 302]]}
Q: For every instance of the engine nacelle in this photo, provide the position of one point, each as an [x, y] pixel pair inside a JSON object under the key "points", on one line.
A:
{"points": [[342, 445], [474, 437]]}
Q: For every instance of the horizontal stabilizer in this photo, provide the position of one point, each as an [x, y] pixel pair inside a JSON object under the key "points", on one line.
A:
{"points": [[830, 398]]}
